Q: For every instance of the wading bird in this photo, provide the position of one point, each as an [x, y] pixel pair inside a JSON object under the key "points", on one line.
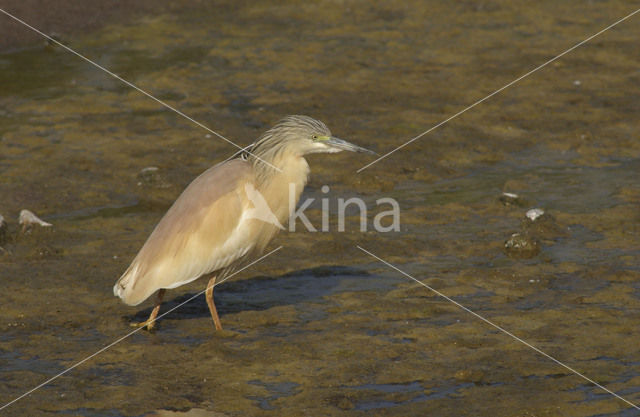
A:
{"points": [[213, 227]]}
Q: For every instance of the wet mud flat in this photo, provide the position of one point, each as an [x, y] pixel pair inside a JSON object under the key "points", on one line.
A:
{"points": [[322, 328]]}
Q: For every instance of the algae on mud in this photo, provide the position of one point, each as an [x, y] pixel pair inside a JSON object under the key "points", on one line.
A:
{"points": [[311, 331]]}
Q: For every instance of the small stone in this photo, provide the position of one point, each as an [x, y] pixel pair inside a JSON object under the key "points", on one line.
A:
{"points": [[541, 225], [150, 176], [149, 171], [512, 199], [27, 219], [534, 213], [521, 245]]}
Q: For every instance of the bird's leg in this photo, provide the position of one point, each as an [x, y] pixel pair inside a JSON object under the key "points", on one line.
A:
{"points": [[151, 321], [212, 305]]}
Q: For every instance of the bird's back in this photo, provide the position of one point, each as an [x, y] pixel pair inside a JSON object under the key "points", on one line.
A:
{"points": [[203, 231]]}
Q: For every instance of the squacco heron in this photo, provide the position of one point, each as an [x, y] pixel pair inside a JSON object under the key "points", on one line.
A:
{"points": [[211, 229]]}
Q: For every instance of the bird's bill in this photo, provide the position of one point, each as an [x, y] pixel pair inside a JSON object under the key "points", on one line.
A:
{"points": [[347, 146]]}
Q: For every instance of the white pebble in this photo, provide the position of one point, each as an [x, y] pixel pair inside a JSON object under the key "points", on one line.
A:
{"points": [[510, 195], [533, 214], [149, 169]]}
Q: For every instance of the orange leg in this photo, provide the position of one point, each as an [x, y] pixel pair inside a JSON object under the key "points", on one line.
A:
{"points": [[151, 321], [212, 306]]}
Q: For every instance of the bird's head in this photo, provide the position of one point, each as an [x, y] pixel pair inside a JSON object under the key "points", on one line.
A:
{"points": [[303, 135]]}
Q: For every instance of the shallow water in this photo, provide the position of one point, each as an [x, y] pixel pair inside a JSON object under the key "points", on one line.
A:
{"points": [[320, 327]]}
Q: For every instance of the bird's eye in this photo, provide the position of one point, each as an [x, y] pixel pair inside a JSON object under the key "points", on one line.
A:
{"points": [[314, 137]]}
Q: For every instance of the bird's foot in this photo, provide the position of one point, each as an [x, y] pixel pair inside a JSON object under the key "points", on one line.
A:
{"points": [[150, 324]]}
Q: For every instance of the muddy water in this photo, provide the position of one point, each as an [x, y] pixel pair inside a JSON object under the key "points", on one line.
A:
{"points": [[321, 328]]}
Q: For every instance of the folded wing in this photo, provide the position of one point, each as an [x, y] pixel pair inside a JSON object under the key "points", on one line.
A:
{"points": [[204, 231]]}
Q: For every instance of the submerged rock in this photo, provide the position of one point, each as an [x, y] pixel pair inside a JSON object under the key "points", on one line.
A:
{"points": [[522, 245], [28, 219], [512, 199], [151, 177], [542, 225], [537, 227]]}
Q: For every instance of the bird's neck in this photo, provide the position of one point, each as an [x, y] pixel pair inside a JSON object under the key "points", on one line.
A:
{"points": [[282, 189]]}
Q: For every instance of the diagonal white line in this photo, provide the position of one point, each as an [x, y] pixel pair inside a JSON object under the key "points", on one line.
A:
{"points": [[132, 332], [499, 328], [135, 87], [496, 92]]}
